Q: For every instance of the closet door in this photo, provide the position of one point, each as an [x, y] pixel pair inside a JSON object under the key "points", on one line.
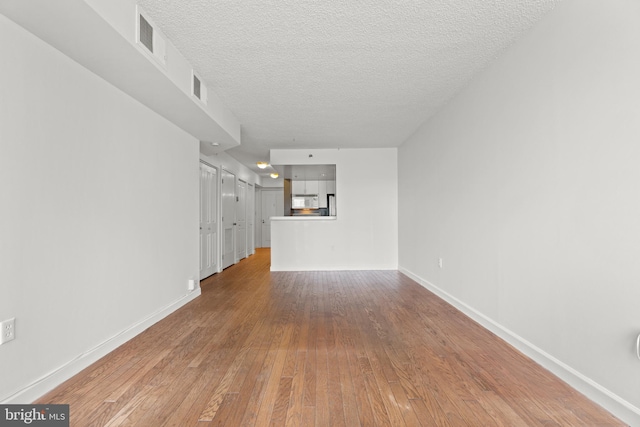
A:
{"points": [[272, 205], [268, 210], [208, 221], [228, 218], [241, 220], [251, 215]]}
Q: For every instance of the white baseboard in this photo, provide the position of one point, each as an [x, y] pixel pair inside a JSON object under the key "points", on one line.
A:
{"points": [[48, 382], [330, 268], [608, 400]]}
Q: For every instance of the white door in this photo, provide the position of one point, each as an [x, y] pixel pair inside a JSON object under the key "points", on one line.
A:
{"points": [[208, 221], [241, 219], [258, 217], [228, 218], [251, 247], [272, 205]]}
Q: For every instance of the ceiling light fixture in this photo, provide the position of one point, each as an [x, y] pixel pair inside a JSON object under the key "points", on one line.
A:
{"points": [[274, 175], [262, 165]]}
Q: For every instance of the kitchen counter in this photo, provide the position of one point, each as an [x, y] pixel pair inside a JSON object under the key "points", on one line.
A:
{"points": [[303, 218]]}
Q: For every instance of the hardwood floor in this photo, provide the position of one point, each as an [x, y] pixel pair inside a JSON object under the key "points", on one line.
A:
{"points": [[355, 348]]}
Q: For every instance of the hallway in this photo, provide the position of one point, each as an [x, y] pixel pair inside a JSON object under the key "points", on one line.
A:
{"points": [[319, 349]]}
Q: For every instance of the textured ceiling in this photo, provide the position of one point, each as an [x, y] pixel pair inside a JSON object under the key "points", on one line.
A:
{"points": [[336, 73]]}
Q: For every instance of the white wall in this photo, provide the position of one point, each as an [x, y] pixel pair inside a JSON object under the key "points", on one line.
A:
{"points": [[365, 232], [528, 186], [99, 216]]}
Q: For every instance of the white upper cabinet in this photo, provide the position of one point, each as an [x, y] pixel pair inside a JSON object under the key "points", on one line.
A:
{"points": [[322, 194], [304, 187], [331, 187], [298, 187], [321, 188], [311, 187]]}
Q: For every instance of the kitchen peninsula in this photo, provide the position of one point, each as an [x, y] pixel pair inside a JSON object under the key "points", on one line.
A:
{"points": [[300, 236], [302, 242], [362, 235]]}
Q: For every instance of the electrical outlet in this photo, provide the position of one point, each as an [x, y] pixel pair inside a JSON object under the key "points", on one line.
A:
{"points": [[440, 263], [7, 330]]}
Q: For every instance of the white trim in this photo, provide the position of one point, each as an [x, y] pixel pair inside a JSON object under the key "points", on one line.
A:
{"points": [[334, 268], [594, 391], [48, 382]]}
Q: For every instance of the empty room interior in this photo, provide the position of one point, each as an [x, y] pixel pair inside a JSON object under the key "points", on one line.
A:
{"points": [[321, 213]]}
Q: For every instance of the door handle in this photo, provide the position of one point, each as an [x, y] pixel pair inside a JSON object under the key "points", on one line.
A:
{"points": [[235, 223]]}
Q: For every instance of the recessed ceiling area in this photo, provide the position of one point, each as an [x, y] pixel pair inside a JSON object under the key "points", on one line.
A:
{"points": [[307, 172], [338, 74]]}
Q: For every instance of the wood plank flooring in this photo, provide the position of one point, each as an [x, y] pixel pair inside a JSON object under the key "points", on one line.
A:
{"points": [[355, 348]]}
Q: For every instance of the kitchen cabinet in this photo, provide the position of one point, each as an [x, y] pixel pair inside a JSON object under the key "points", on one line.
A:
{"points": [[322, 194], [304, 187], [331, 187], [321, 188], [298, 187], [311, 187]]}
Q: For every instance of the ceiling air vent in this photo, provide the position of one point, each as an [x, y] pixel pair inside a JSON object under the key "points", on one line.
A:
{"points": [[150, 39], [146, 33], [196, 86], [198, 89]]}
